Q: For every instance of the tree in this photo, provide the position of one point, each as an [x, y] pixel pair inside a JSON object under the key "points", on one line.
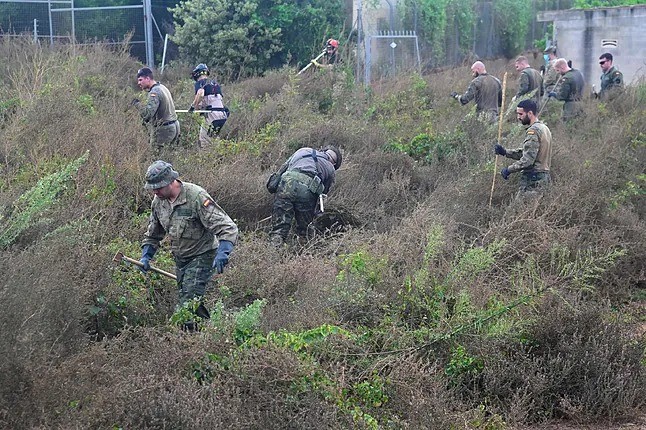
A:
{"points": [[246, 37]]}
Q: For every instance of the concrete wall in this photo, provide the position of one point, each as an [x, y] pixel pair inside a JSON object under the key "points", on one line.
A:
{"points": [[583, 35]]}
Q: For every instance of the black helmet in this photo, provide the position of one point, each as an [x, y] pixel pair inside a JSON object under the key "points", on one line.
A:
{"points": [[338, 158], [199, 70]]}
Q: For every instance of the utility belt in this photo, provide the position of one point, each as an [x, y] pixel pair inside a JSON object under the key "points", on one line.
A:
{"points": [[168, 123], [311, 180], [218, 109]]}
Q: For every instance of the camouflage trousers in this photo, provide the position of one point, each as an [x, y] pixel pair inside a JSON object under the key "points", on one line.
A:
{"points": [[532, 183], [293, 200], [193, 275], [164, 136]]}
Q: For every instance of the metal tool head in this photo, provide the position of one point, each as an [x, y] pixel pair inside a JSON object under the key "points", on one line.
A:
{"points": [[118, 257]]}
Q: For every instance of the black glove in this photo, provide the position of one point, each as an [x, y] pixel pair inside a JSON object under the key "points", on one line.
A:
{"points": [[504, 173], [222, 256], [135, 102], [147, 254], [455, 94], [191, 109], [500, 150]]}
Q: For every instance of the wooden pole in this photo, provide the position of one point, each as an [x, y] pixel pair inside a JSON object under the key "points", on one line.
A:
{"points": [[501, 117]]}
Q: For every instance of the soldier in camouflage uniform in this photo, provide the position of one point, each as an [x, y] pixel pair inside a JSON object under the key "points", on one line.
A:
{"points": [[158, 114], [570, 89], [529, 81], [485, 89], [535, 155], [201, 233], [306, 175], [612, 80], [551, 76]]}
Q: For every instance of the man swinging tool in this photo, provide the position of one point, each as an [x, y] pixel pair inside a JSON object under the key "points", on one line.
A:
{"points": [[201, 233], [327, 58]]}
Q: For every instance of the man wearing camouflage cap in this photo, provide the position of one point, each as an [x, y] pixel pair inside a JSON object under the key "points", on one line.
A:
{"points": [[158, 114], [550, 75], [201, 233], [305, 176]]}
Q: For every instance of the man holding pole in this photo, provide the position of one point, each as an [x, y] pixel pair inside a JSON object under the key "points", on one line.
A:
{"points": [[534, 156], [208, 96], [201, 233], [327, 58]]}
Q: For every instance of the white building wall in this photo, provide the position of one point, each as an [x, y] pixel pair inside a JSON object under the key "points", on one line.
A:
{"points": [[580, 37]]}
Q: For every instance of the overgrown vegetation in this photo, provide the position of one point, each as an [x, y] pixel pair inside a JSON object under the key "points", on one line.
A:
{"points": [[245, 38], [426, 309]]}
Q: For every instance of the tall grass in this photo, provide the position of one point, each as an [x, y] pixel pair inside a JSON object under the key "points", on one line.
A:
{"points": [[427, 309]]}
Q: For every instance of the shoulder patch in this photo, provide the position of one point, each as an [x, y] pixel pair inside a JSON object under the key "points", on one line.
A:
{"points": [[207, 202], [153, 95], [530, 131]]}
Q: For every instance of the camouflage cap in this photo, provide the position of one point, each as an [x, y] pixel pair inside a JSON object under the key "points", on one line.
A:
{"points": [[160, 174], [550, 49]]}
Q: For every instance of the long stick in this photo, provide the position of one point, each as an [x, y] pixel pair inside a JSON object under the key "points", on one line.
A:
{"points": [[120, 257], [310, 63], [548, 98], [500, 120], [195, 111]]}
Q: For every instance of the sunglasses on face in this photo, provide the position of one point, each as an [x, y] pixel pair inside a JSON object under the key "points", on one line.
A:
{"points": [[602, 62]]}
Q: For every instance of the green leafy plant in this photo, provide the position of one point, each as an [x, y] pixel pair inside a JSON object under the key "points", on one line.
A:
{"points": [[37, 200]]}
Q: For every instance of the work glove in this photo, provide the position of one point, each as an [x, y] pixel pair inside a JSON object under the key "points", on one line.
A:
{"points": [[135, 102], [500, 150], [222, 256], [513, 99], [147, 254], [504, 173], [455, 95], [551, 94], [191, 109]]}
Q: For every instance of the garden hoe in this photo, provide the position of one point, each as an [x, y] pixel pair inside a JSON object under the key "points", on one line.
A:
{"points": [[118, 257]]}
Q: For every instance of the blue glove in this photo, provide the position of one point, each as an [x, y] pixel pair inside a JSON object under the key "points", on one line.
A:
{"points": [[147, 254], [551, 94], [222, 257], [500, 150], [504, 173]]}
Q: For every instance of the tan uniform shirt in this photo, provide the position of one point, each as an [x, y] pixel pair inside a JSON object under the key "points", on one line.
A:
{"points": [[193, 222], [536, 152]]}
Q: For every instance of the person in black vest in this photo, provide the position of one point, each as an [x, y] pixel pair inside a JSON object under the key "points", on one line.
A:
{"points": [[208, 96]]}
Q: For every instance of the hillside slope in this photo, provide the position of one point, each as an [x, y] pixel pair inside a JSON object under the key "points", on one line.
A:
{"points": [[422, 307]]}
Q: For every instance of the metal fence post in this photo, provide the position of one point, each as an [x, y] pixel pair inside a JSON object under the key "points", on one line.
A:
{"points": [[148, 21]]}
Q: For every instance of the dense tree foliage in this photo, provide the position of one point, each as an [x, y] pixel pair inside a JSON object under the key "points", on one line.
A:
{"points": [[441, 22], [244, 37]]}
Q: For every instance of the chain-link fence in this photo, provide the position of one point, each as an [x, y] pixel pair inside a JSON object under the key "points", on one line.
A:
{"points": [[64, 21]]}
